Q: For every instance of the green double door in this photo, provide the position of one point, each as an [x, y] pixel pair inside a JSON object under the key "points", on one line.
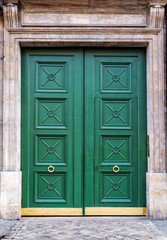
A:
{"points": [[83, 131]]}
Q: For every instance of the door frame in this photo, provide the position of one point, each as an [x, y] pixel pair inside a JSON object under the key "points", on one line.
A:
{"points": [[85, 36]]}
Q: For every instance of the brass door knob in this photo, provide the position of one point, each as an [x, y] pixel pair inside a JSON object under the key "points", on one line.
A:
{"points": [[116, 169], [51, 169]]}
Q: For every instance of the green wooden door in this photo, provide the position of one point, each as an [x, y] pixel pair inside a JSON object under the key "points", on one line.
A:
{"points": [[52, 122], [83, 114], [115, 129]]}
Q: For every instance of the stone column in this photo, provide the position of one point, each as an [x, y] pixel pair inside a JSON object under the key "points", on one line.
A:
{"points": [[1, 80], [157, 166], [10, 175]]}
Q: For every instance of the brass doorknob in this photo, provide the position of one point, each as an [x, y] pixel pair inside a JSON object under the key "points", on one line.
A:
{"points": [[51, 169], [116, 169]]}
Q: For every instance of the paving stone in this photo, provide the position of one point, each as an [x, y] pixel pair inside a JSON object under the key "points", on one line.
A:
{"points": [[5, 227], [86, 228], [94, 238]]}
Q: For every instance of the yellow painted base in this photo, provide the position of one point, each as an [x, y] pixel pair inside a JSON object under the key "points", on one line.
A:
{"points": [[89, 211], [112, 211], [51, 211]]}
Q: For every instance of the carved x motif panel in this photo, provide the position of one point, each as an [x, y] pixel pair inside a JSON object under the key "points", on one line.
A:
{"points": [[50, 149], [116, 113], [115, 77], [50, 113], [51, 187], [116, 187], [116, 149], [51, 77]]}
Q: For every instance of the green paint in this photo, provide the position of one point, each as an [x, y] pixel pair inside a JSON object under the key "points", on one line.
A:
{"points": [[83, 112], [115, 128], [52, 127]]}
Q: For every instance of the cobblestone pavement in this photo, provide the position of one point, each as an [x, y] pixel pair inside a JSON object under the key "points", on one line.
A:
{"points": [[91, 228], [161, 225], [5, 227]]}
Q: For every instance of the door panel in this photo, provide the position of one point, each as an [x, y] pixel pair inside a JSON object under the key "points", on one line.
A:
{"points": [[114, 129], [52, 97]]}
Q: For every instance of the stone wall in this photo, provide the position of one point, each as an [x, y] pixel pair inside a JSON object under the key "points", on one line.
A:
{"points": [[1, 93], [34, 23], [1, 85]]}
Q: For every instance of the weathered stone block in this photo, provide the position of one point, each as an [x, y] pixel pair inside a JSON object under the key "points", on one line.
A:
{"points": [[157, 195], [10, 198]]}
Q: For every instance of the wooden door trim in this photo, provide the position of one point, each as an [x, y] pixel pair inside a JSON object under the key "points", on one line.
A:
{"points": [[51, 211], [89, 211], [103, 211]]}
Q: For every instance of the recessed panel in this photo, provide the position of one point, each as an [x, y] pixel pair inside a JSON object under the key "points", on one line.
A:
{"points": [[116, 187], [115, 77], [115, 113], [50, 187], [50, 113], [50, 149], [115, 149], [51, 76]]}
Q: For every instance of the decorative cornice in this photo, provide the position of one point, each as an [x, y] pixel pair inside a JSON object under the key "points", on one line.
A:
{"points": [[158, 2], [85, 30], [10, 1], [157, 16], [10, 12]]}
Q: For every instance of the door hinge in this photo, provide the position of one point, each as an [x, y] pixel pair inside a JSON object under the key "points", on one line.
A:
{"points": [[148, 146]]}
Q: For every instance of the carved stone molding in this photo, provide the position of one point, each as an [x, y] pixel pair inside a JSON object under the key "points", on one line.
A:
{"points": [[157, 16], [10, 1], [10, 12]]}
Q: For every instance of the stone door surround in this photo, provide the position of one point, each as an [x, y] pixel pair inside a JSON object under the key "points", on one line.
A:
{"points": [[151, 37]]}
